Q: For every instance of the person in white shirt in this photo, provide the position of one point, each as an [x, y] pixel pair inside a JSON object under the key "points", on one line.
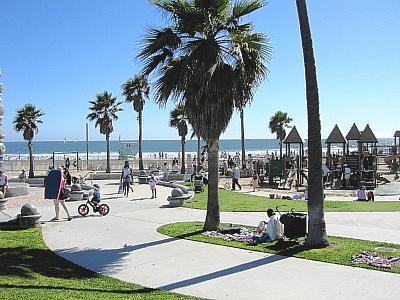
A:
{"points": [[235, 177], [175, 168], [153, 185], [360, 194], [165, 172], [325, 171], [274, 229]]}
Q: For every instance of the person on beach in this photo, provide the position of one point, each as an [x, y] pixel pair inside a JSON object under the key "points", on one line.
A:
{"points": [[55, 189], [235, 177], [3, 182], [165, 172], [153, 186], [126, 178], [255, 180]]}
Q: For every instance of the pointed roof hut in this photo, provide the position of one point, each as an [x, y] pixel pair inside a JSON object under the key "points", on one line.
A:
{"points": [[367, 136], [293, 137], [354, 133], [397, 134], [336, 137]]}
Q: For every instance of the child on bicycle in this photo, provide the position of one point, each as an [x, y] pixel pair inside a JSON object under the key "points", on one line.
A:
{"points": [[96, 195]]}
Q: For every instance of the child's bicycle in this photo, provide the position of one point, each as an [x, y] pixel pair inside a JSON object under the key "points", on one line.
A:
{"points": [[102, 209]]}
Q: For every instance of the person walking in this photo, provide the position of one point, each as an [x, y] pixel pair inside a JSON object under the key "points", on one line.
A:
{"points": [[153, 186], [235, 177], [55, 189], [254, 181], [165, 172], [126, 178]]}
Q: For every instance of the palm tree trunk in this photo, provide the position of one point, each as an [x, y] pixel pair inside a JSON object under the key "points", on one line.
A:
{"points": [[183, 169], [212, 217], [198, 151], [108, 168], [31, 171], [242, 138], [316, 222], [280, 149], [140, 141]]}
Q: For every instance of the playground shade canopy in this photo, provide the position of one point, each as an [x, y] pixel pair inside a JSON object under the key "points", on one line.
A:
{"points": [[336, 137], [397, 134], [293, 137], [367, 136], [353, 134]]}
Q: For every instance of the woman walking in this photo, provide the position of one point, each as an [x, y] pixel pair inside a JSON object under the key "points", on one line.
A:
{"points": [[126, 178], [55, 189]]}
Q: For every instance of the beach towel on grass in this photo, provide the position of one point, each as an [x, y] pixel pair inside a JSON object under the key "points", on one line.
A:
{"points": [[52, 186], [374, 259]]}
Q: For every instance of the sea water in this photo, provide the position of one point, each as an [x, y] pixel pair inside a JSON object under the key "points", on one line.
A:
{"points": [[151, 148]]}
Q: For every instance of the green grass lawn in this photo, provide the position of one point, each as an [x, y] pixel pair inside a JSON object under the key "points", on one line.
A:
{"points": [[340, 252], [233, 201], [28, 270]]}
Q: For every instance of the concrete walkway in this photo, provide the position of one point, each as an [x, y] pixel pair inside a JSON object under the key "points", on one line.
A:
{"points": [[125, 245]]}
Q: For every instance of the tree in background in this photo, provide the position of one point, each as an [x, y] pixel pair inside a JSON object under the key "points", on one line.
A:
{"points": [[208, 61], [104, 112], [278, 124], [27, 121], [136, 91], [177, 119], [317, 236]]}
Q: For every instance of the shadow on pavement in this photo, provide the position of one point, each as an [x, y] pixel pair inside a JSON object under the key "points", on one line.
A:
{"points": [[101, 259]]}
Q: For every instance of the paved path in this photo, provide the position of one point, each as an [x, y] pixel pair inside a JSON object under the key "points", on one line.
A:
{"points": [[125, 245]]}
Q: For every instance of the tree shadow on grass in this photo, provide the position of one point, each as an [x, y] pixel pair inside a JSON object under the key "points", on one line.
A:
{"points": [[25, 262], [89, 290]]}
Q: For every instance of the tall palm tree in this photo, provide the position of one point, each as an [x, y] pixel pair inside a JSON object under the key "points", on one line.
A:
{"points": [[177, 119], [277, 124], [242, 138], [27, 120], [208, 61], [104, 111], [316, 221], [136, 91]]}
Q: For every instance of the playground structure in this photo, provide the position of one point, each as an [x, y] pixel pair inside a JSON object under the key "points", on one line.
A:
{"points": [[350, 169], [75, 162], [289, 171], [393, 159]]}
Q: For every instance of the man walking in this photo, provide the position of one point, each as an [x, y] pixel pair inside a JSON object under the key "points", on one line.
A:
{"points": [[235, 177]]}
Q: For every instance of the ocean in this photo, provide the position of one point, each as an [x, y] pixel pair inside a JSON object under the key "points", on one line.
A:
{"points": [[97, 149]]}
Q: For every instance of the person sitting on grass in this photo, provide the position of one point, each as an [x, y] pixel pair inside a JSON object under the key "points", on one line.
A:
{"points": [[360, 194], [273, 230], [96, 195]]}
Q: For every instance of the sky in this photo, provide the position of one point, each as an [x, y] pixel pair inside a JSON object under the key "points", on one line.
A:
{"points": [[59, 54]]}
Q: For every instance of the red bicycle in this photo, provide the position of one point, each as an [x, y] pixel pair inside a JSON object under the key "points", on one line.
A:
{"points": [[103, 209]]}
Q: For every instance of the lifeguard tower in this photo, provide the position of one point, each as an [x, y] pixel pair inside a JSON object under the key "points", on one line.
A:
{"points": [[127, 150]]}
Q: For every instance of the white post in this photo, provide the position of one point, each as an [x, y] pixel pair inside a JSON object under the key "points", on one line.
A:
{"points": [[2, 147]]}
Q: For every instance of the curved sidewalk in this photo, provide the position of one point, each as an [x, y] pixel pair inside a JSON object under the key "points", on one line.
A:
{"points": [[125, 245]]}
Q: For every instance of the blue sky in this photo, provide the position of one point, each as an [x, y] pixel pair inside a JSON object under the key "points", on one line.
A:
{"points": [[59, 54]]}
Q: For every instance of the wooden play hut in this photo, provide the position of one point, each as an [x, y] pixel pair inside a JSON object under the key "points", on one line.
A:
{"points": [[294, 138], [335, 137], [367, 148], [353, 135]]}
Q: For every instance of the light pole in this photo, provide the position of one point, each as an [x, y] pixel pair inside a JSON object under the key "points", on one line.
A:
{"points": [[2, 147]]}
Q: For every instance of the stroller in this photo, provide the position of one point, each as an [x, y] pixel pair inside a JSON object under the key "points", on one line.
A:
{"points": [[295, 224], [198, 183]]}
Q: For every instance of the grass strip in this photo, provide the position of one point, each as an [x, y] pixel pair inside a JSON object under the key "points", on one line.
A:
{"points": [[29, 270], [339, 252], [237, 202]]}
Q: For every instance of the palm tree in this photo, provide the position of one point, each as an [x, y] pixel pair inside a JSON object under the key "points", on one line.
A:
{"points": [[208, 61], [277, 124], [242, 138], [27, 120], [316, 222], [177, 119], [136, 91], [104, 111]]}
